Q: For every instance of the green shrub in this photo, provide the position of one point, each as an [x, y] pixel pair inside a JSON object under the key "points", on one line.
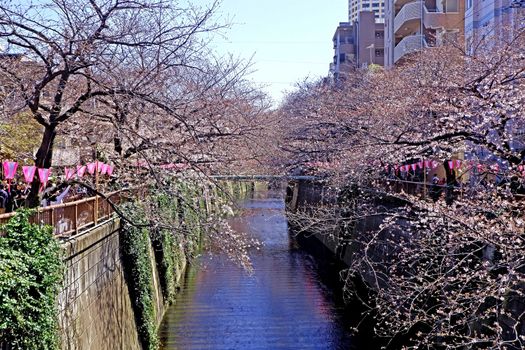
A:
{"points": [[31, 273]]}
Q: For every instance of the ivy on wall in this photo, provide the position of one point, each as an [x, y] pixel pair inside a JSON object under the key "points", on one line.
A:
{"points": [[168, 254], [172, 223], [135, 245], [31, 273]]}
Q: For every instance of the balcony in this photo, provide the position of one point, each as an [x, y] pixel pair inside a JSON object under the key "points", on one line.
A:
{"points": [[409, 44], [408, 19], [410, 14], [400, 3]]}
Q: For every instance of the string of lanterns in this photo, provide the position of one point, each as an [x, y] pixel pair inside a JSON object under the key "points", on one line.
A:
{"points": [[29, 172], [452, 165]]}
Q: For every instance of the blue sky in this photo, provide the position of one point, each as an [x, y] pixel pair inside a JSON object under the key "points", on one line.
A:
{"points": [[289, 39]]}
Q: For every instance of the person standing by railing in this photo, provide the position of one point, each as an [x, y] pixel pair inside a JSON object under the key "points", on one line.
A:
{"points": [[23, 191], [435, 189], [452, 186], [4, 197]]}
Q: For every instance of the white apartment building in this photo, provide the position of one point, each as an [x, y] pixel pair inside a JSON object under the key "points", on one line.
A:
{"points": [[411, 25], [492, 20], [376, 6]]}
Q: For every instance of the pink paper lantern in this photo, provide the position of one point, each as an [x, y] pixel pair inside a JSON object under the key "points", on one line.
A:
{"points": [[99, 165], [29, 173], [10, 170], [69, 173], [43, 175], [81, 170], [91, 167], [9, 173], [103, 169]]}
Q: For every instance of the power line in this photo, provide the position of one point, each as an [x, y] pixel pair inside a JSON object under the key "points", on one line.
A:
{"points": [[274, 42], [291, 62], [465, 16]]}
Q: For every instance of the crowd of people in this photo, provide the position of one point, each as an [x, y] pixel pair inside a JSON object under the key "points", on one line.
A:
{"points": [[453, 183], [12, 197]]}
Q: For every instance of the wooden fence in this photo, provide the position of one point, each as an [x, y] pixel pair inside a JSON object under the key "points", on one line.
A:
{"points": [[68, 218]]}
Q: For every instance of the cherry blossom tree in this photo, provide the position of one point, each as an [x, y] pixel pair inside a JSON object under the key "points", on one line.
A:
{"points": [[136, 82], [444, 274], [137, 75]]}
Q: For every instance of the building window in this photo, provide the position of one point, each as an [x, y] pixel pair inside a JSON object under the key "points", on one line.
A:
{"points": [[341, 57], [380, 34], [380, 52], [450, 5]]}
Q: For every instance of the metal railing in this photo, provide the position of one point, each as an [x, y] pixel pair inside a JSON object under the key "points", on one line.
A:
{"points": [[408, 45], [417, 188], [425, 189], [408, 12], [69, 218]]}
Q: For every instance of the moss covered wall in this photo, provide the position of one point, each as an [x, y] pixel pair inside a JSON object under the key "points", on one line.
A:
{"points": [[119, 280]]}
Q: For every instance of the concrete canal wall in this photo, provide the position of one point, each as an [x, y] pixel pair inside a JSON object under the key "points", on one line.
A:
{"points": [[305, 195], [95, 305], [96, 310], [340, 244]]}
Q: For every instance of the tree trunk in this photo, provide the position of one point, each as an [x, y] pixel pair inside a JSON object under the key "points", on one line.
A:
{"points": [[43, 159]]}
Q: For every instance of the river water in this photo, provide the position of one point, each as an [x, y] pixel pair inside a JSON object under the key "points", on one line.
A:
{"points": [[283, 305]]}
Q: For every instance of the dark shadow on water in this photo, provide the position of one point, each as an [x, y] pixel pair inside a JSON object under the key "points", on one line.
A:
{"points": [[352, 312]]}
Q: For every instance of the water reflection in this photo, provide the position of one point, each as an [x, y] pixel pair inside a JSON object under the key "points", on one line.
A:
{"points": [[284, 305]]}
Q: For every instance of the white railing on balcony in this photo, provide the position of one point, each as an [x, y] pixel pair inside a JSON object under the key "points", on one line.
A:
{"points": [[409, 44], [408, 12]]}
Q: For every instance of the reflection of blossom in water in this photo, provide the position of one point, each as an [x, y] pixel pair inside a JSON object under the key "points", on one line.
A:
{"points": [[281, 304]]}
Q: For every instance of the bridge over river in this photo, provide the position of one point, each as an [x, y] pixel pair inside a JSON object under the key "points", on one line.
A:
{"points": [[285, 304]]}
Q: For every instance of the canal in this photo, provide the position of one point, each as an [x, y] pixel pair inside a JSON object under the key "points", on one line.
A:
{"points": [[284, 305]]}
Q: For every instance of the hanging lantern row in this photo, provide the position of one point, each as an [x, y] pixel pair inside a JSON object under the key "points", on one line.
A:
{"points": [[29, 172], [452, 164]]}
